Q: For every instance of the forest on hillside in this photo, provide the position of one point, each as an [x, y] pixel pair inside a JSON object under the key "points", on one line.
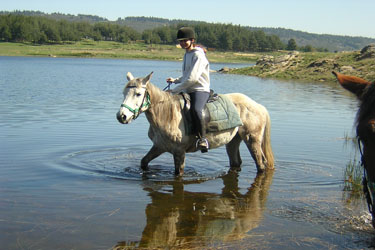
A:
{"points": [[41, 30], [38, 27], [304, 40]]}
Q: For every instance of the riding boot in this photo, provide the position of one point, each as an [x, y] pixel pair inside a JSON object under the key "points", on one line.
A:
{"points": [[202, 142]]}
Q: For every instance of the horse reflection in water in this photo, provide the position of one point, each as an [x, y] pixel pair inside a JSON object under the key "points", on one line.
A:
{"points": [[365, 92], [195, 220], [167, 132]]}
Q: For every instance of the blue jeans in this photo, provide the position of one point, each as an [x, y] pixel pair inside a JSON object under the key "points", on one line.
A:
{"points": [[198, 100]]}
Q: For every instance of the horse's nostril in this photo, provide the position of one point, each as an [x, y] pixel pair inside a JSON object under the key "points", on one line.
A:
{"points": [[121, 118]]}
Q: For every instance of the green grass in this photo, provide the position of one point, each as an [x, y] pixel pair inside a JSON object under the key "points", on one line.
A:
{"points": [[316, 67], [353, 175], [107, 49]]}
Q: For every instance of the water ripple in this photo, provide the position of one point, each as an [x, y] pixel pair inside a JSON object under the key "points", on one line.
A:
{"points": [[124, 163]]}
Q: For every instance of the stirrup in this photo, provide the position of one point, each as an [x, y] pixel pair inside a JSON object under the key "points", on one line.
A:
{"points": [[199, 145]]}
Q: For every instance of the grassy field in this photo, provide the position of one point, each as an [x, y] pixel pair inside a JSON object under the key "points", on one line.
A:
{"points": [[116, 50]]}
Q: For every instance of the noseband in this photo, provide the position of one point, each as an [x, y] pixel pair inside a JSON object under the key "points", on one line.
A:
{"points": [[145, 104]]}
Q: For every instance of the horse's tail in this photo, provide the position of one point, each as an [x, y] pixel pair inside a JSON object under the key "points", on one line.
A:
{"points": [[266, 144]]}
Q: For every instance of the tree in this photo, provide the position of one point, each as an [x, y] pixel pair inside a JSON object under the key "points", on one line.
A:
{"points": [[226, 41], [253, 43], [5, 32], [307, 48], [292, 45]]}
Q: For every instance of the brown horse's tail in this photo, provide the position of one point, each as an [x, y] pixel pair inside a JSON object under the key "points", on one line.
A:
{"points": [[266, 144]]}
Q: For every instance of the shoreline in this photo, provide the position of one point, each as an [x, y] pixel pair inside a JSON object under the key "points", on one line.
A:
{"points": [[115, 50], [281, 65]]}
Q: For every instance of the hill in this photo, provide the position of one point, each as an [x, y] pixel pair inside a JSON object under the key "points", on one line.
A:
{"points": [[331, 42], [140, 24], [59, 16]]}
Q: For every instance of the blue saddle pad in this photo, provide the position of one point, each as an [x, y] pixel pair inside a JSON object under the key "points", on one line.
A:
{"points": [[221, 114]]}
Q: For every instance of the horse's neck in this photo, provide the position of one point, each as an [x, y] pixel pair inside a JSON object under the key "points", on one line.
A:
{"points": [[367, 107], [164, 110]]}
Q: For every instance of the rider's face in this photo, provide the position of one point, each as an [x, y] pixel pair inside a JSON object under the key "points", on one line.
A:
{"points": [[186, 43]]}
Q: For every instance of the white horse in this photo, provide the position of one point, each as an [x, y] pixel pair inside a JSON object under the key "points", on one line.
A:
{"points": [[167, 130]]}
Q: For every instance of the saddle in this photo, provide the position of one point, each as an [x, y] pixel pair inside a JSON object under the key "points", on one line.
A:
{"points": [[219, 114]]}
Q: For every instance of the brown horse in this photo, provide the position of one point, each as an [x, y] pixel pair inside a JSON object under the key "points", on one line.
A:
{"points": [[365, 122]]}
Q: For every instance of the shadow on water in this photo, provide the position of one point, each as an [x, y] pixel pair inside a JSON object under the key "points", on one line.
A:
{"points": [[192, 220]]}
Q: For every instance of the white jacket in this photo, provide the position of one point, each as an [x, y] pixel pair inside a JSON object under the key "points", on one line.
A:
{"points": [[195, 73]]}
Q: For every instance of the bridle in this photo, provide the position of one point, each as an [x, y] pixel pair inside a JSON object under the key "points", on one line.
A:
{"points": [[146, 103]]}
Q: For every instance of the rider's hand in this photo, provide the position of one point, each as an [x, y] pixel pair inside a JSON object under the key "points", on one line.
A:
{"points": [[170, 80]]}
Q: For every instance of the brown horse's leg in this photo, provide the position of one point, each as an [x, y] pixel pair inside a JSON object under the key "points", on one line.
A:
{"points": [[179, 163], [233, 151], [256, 152], [152, 154]]}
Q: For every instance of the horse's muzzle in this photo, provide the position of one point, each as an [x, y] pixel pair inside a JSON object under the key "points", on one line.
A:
{"points": [[121, 118]]}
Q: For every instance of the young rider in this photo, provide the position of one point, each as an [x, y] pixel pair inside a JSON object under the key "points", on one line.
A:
{"points": [[195, 81]]}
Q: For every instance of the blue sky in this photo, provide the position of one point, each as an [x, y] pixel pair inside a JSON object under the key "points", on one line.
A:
{"points": [[337, 17]]}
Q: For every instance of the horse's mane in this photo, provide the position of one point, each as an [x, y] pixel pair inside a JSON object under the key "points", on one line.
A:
{"points": [[164, 109], [367, 105]]}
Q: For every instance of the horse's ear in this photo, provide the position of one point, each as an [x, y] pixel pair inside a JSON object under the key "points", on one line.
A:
{"points": [[147, 79], [354, 84], [129, 76]]}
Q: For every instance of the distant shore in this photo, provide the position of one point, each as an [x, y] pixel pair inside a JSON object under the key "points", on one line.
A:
{"points": [[314, 66], [115, 50], [284, 65]]}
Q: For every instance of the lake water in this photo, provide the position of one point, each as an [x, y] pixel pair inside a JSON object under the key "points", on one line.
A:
{"points": [[70, 177]]}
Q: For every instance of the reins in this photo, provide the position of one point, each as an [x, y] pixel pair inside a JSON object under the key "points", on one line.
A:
{"points": [[366, 189], [168, 87]]}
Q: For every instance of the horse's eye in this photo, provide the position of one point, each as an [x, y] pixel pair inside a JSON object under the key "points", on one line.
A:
{"points": [[138, 94]]}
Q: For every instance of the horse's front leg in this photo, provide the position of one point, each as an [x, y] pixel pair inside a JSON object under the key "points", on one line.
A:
{"points": [[179, 163], [152, 154]]}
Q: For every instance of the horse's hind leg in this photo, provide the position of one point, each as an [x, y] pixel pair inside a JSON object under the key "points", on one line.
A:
{"points": [[255, 148], [179, 163], [233, 151], [152, 154]]}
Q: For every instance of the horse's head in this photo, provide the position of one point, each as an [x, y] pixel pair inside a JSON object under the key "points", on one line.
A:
{"points": [[136, 98], [365, 92]]}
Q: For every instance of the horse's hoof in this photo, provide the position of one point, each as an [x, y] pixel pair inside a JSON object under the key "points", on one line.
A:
{"points": [[261, 170], [179, 172], [234, 170]]}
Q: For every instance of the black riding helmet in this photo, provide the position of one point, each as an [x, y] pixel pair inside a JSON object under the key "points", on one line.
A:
{"points": [[185, 33]]}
